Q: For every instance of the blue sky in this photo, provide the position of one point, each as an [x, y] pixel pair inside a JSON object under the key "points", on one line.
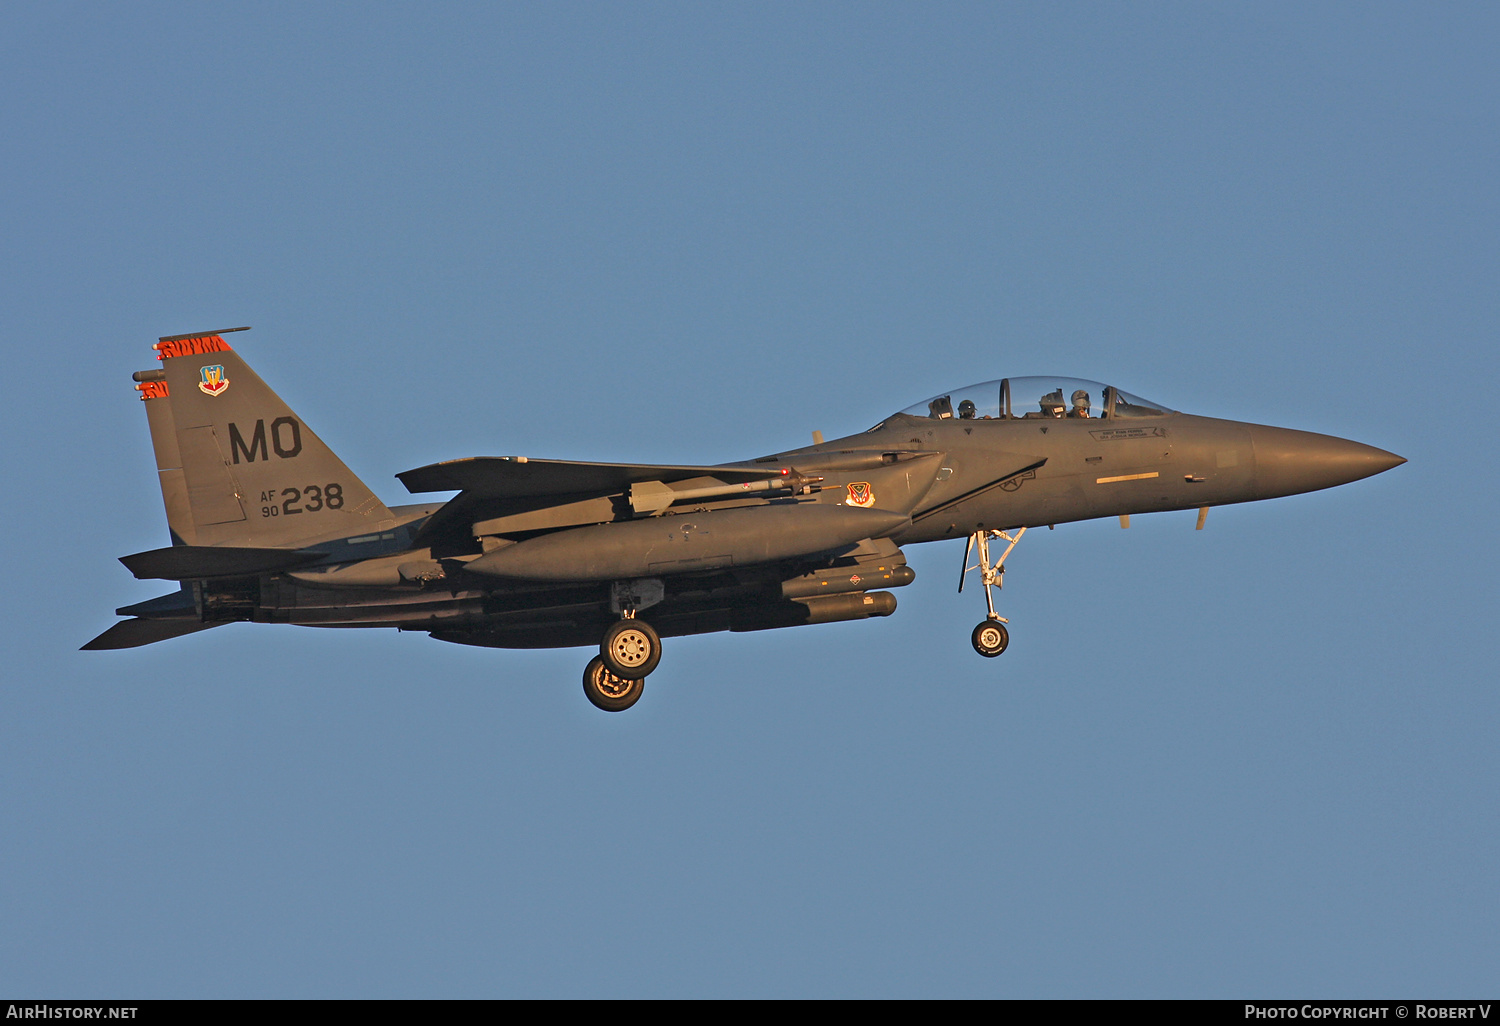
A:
{"points": [[1255, 760]]}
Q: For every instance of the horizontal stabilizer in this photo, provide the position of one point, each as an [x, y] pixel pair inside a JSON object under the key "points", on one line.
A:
{"points": [[193, 562], [519, 477], [175, 605], [138, 632]]}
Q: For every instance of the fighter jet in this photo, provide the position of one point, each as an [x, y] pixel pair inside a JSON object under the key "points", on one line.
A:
{"points": [[269, 526]]}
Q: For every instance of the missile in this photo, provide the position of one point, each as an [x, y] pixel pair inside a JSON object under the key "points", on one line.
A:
{"points": [[688, 542], [653, 497]]}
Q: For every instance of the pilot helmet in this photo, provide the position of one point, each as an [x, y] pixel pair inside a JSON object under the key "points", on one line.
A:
{"points": [[967, 409], [1080, 400]]}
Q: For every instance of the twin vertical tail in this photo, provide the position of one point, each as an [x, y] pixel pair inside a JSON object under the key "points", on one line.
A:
{"points": [[238, 468]]}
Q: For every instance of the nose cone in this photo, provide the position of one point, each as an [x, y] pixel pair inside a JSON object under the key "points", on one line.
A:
{"points": [[1288, 462]]}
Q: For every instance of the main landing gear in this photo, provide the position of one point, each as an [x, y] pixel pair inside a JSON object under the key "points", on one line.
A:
{"points": [[607, 691], [615, 678], [991, 637], [629, 651]]}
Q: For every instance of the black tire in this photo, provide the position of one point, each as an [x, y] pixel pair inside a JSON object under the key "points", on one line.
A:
{"points": [[608, 691], [631, 649], [990, 638]]}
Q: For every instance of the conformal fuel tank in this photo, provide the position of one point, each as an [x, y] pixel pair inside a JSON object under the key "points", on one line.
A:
{"points": [[688, 542]]}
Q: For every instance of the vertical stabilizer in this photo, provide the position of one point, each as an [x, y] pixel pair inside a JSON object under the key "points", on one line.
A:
{"points": [[174, 492], [237, 466]]}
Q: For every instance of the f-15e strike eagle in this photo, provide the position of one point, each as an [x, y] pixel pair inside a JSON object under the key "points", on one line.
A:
{"points": [[269, 526]]}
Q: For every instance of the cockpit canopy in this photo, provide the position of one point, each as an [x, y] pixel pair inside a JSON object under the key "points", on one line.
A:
{"points": [[1036, 398]]}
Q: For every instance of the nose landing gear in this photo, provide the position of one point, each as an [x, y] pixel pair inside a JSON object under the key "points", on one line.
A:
{"points": [[991, 637]]}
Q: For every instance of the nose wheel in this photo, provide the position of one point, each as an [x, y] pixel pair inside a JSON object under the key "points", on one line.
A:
{"points": [[991, 637]]}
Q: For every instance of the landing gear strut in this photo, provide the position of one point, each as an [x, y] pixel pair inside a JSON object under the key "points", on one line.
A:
{"points": [[991, 637]]}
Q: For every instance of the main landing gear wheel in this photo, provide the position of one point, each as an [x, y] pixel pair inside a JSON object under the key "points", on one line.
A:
{"points": [[607, 691], [990, 638], [630, 649]]}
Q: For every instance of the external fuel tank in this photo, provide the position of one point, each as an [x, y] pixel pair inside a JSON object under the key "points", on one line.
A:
{"points": [[688, 542]]}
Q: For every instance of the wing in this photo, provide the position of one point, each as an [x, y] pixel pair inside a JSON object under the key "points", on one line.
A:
{"points": [[516, 477], [195, 562], [495, 486]]}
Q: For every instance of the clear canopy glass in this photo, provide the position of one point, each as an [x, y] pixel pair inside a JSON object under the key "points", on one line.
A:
{"points": [[1036, 398]]}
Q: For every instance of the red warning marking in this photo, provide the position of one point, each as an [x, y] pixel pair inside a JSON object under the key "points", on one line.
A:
{"points": [[191, 346]]}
